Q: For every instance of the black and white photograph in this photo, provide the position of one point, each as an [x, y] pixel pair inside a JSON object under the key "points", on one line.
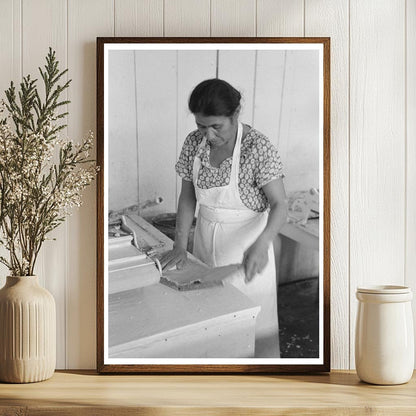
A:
{"points": [[214, 195]]}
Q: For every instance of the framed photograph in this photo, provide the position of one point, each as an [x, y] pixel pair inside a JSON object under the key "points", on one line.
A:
{"points": [[213, 210]]}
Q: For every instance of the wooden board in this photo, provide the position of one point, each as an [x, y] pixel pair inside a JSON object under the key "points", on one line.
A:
{"points": [[86, 393], [128, 267], [156, 97], [304, 235], [193, 68], [123, 169], [187, 18], [36, 40], [280, 18], [377, 148], [10, 67], [270, 74], [226, 337], [10, 44], [299, 120], [233, 18], [410, 263], [331, 18], [238, 68], [86, 19], [154, 321], [195, 276], [134, 274], [138, 17]]}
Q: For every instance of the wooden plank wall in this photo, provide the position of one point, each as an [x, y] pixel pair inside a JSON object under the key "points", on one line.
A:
{"points": [[331, 18], [410, 140], [149, 117], [372, 125]]}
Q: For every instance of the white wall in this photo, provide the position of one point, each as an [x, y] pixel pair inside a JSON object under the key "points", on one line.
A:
{"points": [[123, 169], [373, 130]]}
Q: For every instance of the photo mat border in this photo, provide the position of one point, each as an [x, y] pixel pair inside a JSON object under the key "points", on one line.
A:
{"points": [[105, 367]]}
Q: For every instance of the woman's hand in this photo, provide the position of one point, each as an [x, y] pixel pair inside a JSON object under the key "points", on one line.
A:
{"points": [[256, 256], [177, 257], [255, 259]]}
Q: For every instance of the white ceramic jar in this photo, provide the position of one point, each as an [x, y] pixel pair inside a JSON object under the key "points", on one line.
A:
{"points": [[384, 338]]}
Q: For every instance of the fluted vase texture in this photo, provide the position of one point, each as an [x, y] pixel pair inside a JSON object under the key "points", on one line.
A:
{"points": [[27, 331]]}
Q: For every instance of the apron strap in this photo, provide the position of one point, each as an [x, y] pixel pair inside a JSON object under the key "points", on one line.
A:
{"points": [[235, 164], [235, 167], [197, 161]]}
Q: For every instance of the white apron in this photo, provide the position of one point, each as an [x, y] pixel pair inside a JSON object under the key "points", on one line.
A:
{"points": [[225, 228]]}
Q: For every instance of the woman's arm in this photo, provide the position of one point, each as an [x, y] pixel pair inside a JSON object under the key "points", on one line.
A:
{"points": [[256, 256], [184, 218], [276, 195]]}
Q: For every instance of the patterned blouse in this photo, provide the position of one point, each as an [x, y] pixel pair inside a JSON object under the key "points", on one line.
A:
{"points": [[259, 164]]}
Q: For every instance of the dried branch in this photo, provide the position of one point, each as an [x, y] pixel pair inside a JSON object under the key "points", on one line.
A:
{"points": [[41, 176]]}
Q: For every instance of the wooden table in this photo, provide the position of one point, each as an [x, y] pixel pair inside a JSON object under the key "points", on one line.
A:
{"points": [[86, 393], [307, 234], [158, 321]]}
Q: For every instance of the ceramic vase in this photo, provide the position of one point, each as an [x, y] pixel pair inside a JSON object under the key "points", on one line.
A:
{"points": [[27, 331], [384, 341]]}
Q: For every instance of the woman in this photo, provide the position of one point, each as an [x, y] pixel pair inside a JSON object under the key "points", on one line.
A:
{"points": [[235, 175]]}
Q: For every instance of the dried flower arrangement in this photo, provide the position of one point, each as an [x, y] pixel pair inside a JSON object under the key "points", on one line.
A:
{"points": [[42, 176]]}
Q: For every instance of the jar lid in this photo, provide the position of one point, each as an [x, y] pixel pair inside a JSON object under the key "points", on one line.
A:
{"points": [[384, 289]]}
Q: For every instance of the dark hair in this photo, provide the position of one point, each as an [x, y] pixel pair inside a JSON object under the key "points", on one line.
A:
{"points": [[214, 97]]}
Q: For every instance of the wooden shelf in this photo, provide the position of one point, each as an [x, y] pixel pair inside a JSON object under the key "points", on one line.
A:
{"points": [[86, 393]]}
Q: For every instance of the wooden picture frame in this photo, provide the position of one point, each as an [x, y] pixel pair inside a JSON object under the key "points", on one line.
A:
{"points": [[168, 68]]}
